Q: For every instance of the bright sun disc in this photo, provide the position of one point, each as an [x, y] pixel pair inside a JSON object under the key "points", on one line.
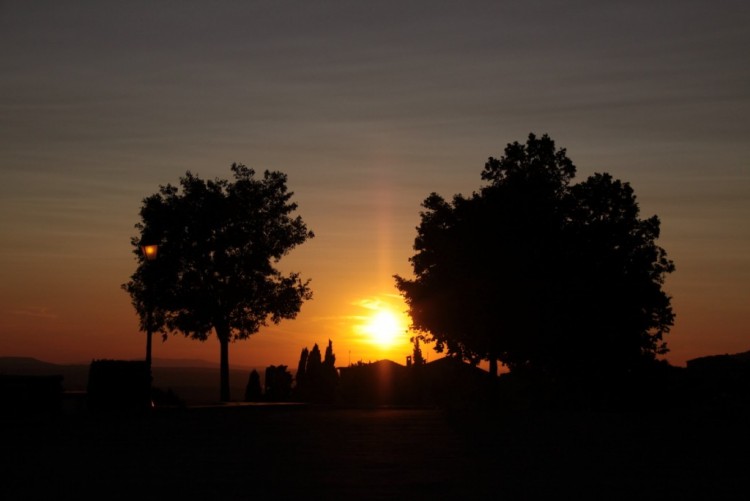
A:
{"points": [[383, 327]]}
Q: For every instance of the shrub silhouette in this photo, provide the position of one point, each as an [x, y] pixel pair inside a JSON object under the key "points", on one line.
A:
{"points": [[119, 385], [253, 390]]}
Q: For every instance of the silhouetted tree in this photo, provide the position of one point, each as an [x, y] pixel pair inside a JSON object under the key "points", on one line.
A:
{"points": [[329, 361], [300, 378], [330, 375], [539, 274], [317, 379], [219, 241], [314, 373], [417, 357], [314, 368], [613, 304], [253, 390], [278, 383]]}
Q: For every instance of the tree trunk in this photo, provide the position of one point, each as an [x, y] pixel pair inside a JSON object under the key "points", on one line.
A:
{"points": [[148, 337], [148, 348], [493, 368], [223, 335]]}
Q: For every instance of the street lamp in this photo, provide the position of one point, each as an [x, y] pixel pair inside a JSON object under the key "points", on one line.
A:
{"points": [[150, 251], [149, 254]]}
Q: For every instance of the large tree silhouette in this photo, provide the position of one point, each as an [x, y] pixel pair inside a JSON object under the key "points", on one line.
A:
{"points": [[540, 274], [218, 244]]}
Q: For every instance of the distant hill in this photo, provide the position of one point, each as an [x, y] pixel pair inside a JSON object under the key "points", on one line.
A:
{"points": [[184, 362], [195, 381], [75, 377], [200, 363], [199, 385], [10, 365]]}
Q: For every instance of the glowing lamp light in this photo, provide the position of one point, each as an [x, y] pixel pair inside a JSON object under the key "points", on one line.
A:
{"points": [[149, 251]]}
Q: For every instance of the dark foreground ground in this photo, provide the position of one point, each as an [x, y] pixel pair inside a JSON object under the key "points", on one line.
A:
{"points": [[312, 453]]}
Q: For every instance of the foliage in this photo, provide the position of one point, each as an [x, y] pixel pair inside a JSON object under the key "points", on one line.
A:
{"points": [[278, 383], [317, 379], [314, 367], [540, 274], [253, 390], [417, 357], [300, 377], [329, 375], [218, 243]]}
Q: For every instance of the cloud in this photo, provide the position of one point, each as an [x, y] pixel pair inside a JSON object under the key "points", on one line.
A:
{"points": [[370, 303], [34, 312]]}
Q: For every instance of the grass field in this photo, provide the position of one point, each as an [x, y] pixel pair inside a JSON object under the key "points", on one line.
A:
{"points": [[247, 452]]}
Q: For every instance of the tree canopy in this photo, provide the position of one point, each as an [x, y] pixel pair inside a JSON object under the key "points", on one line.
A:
{"points": [[218, 243], [539, 273]]}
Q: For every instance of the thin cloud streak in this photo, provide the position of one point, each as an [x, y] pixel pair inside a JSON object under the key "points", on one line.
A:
{"points": [[35, 312]]}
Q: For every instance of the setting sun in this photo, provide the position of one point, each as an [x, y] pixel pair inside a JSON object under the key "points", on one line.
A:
{"points": [[381, 327], [384, 328]]}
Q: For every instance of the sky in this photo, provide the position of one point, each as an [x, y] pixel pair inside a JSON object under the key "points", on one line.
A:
{"points": [[368, 107]]}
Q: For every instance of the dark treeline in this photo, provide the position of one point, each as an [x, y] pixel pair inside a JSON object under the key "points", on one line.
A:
{"points": [[316, 380], [706, 383]]}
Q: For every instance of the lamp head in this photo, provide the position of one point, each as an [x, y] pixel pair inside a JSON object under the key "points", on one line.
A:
{"points": [[149, 251]]}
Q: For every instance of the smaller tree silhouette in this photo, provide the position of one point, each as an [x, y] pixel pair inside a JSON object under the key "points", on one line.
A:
{"points": [[253, 390], [317, 379], [330, 376], [300, 387], [313, 372], [417, 357], [278, 383]]}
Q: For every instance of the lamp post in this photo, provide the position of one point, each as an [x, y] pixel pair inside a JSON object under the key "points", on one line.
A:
{"points": [[149, 253]]}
